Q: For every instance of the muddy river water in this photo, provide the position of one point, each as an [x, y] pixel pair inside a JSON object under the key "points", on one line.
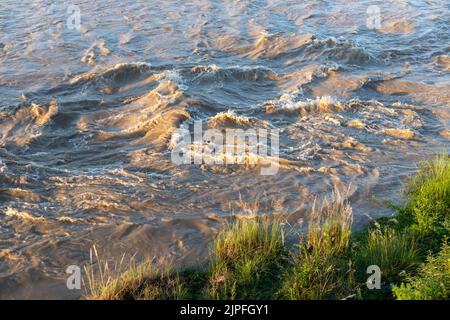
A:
{"points": [[92, 94]]}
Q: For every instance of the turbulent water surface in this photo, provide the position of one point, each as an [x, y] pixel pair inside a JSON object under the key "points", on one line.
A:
{"points": [[88, 116]]}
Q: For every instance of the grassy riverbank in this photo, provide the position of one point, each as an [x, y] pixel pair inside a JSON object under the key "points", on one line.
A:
{"points": [[250, 258]]}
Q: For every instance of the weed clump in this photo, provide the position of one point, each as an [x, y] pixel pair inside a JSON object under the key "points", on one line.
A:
{"points": [[248, 257], [322, 267]]}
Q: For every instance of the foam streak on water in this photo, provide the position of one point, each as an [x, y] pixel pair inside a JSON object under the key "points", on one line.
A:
{"points": [[88, 119]]}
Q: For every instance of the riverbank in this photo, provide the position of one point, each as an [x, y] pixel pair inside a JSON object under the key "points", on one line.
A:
{"points": [[251, 258]]}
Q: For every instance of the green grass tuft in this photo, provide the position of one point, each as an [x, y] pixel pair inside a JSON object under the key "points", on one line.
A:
{"points": [[392, 251], [321, 268], [248, 238], [247, 260], [138, 281]]}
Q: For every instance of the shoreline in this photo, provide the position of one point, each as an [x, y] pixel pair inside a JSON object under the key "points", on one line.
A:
{"points": [[250, 258]]}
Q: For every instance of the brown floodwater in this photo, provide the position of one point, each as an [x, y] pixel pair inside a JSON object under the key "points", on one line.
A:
{"points": [[88, 119]]}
